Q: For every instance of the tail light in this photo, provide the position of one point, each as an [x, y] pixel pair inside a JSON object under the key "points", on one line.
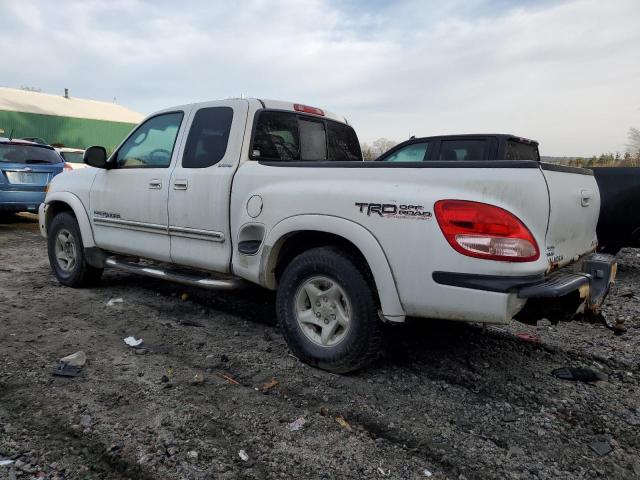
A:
{"points": [[307, 109], [67, 167], [485, 231]]}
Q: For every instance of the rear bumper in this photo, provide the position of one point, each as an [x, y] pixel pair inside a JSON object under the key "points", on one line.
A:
{"points": [[20, 201], [590, 279]]}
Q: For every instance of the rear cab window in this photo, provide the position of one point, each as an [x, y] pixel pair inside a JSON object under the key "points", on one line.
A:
{"points": [[288, 136], [517, 150], [27, 154]]}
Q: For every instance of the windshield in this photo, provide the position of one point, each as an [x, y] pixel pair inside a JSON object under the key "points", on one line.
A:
{"points": [[73, 157], [16, 153]]}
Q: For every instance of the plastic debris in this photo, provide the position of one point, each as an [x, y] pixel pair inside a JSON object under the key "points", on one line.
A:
{"points": [[528, 337], [269, 385], [383, 473], [578, 374], [114, 301], [133, 342], [426, 472], [77, 359], [601, 446], [192, 454], [243, 455], [297, 424], [4, 463], [343, 423]]}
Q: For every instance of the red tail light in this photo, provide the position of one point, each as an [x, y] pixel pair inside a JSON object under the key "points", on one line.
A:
{"points": [[307, 109], [67, 167], [485, 231]]}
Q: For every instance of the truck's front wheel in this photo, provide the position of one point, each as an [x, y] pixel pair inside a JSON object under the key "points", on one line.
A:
{"points": [[327, 311], [66, 253]]}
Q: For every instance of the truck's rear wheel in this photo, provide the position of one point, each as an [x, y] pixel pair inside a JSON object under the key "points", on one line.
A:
{"points": [[66, 253], [327, 311]]}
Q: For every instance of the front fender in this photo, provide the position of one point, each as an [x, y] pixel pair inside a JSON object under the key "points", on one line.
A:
{"points": [[362, 238], [78, 209]]}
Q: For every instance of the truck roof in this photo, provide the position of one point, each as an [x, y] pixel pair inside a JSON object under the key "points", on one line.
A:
{"points": [[269, 104]]}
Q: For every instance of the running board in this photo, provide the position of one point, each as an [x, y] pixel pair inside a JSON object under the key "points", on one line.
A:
{"points": [[203, 281]]}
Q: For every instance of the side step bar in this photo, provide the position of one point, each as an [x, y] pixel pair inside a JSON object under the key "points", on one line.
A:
{"points": [[203, 281]]}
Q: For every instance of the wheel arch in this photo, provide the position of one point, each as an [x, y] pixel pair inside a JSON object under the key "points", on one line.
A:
{"points": [[297, 234], [58, 202]]}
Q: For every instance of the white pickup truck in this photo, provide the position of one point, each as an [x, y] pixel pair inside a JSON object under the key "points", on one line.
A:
{"points": [[222, 193]]}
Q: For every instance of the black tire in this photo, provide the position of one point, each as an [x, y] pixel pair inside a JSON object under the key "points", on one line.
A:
{"points": [[362, 341], [81, 274]]}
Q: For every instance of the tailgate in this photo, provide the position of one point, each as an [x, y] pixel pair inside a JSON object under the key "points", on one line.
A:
{"points": [[574, 203]]}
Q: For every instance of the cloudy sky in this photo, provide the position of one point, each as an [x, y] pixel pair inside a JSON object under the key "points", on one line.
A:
{"points": [[564, 73]]}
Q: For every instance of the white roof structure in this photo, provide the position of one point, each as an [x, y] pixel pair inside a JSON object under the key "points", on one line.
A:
{"points": [[15, 100]]}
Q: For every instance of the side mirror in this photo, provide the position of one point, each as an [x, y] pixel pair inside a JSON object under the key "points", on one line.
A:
{"points": [[96, 157]]}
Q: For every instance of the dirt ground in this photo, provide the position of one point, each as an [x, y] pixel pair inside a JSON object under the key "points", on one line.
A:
{"points": [[447, 401]]}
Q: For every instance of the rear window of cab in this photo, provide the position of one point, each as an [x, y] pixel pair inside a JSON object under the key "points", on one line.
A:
{"points": [[289, 136]]}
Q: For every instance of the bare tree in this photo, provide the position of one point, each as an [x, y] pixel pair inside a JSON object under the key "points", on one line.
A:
{"points": [[634, 141], [381, 145]]}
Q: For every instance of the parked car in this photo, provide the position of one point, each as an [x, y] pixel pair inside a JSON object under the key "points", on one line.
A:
{"points": [[73, 158], [277, 194], [26, 168], [38, 140], [619, 219]]}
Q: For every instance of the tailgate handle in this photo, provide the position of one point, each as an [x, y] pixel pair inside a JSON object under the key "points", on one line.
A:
{"points": [[585, 197]]}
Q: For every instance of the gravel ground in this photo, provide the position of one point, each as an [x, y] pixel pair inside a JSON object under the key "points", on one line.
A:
{"points": [[447, 401]]}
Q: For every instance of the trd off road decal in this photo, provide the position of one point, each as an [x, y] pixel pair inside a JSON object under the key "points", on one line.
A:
{"points": [[393, 210]]}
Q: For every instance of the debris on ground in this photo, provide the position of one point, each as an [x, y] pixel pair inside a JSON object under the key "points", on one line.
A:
{"points": [[601, 446], [114, 301], [229, 379], [133, 342], [297, 424], [4, 463], [198, 379], [77, 359], [269, 385], [243, 456], [579, 374], [188, 322], [383, 473], [343, 423], [192, 454], [426, 472], [184, 296], [528, 337]]}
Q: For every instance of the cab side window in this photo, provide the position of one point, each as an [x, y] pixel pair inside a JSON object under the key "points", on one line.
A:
{"points": [[208, 137], [151, 144], [415, 152], [287, 136], [463, 150]]}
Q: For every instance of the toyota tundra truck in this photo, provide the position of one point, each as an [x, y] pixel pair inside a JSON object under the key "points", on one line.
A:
{"points": [[239, 191]]}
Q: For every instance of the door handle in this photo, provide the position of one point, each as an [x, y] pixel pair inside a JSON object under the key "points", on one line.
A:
{"points": [[155, 184], [180, 184]]}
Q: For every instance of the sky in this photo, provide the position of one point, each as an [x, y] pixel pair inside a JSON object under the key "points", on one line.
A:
{"points": [[564, 73]]}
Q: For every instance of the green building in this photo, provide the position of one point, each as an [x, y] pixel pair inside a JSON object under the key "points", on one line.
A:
{"points": [[63, 120]]}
